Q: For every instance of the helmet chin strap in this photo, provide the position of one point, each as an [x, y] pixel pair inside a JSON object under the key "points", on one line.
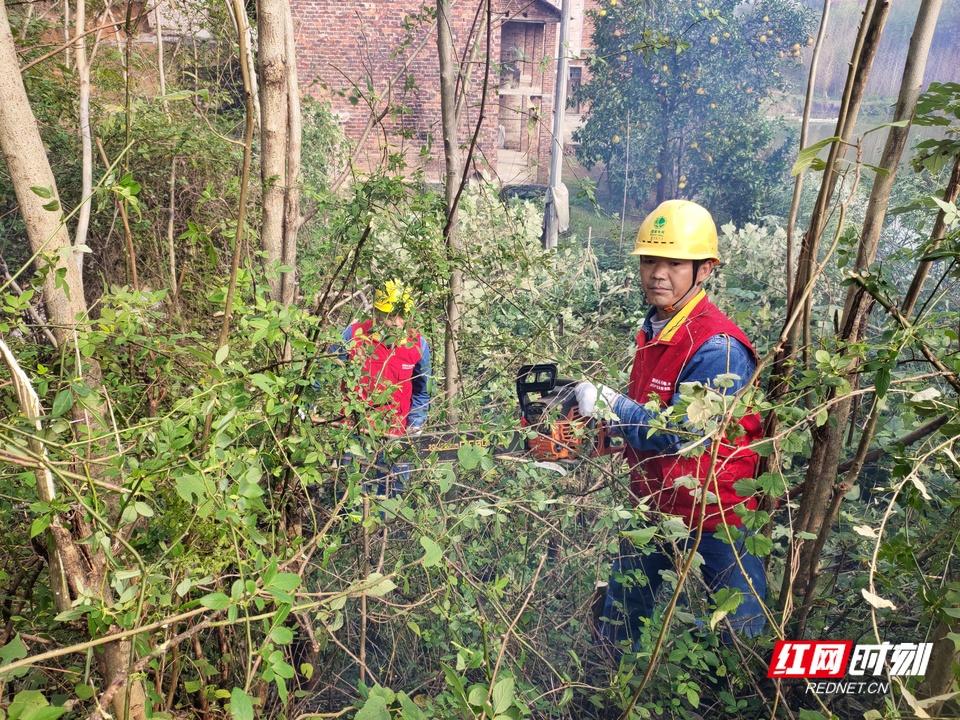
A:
{"points": [[696, 270]]}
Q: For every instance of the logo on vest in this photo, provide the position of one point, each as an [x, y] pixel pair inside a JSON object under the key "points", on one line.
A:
{"points": [[659, 385], [409, 366]]}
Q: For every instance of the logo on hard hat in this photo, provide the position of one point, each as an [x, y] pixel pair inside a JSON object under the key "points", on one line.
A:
{"points": [[657, 231]]}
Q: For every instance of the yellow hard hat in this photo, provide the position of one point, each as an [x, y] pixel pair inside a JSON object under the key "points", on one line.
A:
{"points": [[679, 230], [393, 297]]}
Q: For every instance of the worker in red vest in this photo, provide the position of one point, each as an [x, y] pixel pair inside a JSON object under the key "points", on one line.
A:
{"points": [[395, 359], [394, 374], [684, 338]]}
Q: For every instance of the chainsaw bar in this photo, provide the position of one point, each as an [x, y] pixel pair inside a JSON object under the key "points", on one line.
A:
{"points": [[445, 446]]}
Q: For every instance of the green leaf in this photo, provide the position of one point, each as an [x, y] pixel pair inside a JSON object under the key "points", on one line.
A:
{"points": [[469, 456], [377, 585], [772, 484], [143, 509], [16, 649], [759, 545], [241, 705], [285, 582], [50, 712], [883, 381], [891, 124], [503, 695], [40, 524], [432, 553], [727, 601], [52, 206], [190, 487], [375, 708], [215, 601], [221, 355], [32, 705], [446, 479], [806, 156], [44, 192], [477, 696], [640, 537], [62, 402], [281, 635], [409, 708]]}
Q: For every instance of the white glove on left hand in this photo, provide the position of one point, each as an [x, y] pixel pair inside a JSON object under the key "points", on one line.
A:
{"points": [[587, 394]]}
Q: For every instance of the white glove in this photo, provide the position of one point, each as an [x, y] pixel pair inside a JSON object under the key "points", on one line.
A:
{"points": [[587, 394]]}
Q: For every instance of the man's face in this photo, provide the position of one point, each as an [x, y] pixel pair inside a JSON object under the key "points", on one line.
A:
{"points": [[396, 321], [666, 281]]}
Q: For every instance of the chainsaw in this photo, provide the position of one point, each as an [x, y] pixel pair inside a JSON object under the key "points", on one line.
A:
{"points": [[548, 405], [552, 430]]}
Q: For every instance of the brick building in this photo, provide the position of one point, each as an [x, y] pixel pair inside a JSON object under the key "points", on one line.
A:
{"points": [[358, 53]]}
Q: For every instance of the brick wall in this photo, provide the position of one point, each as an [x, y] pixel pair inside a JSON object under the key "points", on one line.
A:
{"points": [[346, 46]]}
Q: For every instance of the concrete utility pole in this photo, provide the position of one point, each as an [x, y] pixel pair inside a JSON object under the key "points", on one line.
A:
{"points": [[556, 212]]}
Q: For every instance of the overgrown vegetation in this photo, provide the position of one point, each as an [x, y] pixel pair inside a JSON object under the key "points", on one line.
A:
{"points": [[217, 497]]}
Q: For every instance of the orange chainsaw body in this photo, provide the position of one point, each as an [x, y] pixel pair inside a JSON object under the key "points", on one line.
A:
{"points": [[548, 406]]}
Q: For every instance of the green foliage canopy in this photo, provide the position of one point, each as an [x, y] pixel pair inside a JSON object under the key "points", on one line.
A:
{"points": [[695, 81]]}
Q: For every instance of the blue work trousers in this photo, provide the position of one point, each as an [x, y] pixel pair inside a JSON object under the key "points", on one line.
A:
{"points": [[635, 579]]}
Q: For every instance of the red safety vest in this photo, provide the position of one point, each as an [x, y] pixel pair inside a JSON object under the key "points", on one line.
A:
{"points": [[656, 371], [386, 368]]}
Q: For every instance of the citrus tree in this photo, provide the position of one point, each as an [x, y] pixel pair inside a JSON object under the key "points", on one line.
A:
{"points": [[689, 87]]}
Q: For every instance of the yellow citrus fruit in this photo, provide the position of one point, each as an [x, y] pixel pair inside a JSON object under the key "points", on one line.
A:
{"points": [[615, 139], [763, 38], [714, 39]]}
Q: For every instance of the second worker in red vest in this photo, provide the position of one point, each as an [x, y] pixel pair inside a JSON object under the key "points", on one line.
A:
{"points": [[684, 338]]}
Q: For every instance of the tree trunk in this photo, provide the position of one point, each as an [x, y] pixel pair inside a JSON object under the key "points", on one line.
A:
{"points": [[822, 476], [161, 70], [451, 151], [244, 24], [272, 55], [28, 167], [936, 237], [797, 326], [940, 677], [804, 125], [865, 49], [86, 138], [291, 207]]}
